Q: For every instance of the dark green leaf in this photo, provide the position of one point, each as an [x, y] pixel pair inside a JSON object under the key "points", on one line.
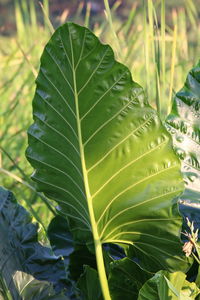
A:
{"points": [[125, 279], [60, 237], [89, 285], [80, 257], [20, 249]]}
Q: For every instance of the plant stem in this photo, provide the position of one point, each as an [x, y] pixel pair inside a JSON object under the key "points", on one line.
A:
{"points": [[101, 270]]}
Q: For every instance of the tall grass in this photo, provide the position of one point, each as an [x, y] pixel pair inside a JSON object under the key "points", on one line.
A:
{"points": [[158, 50]]}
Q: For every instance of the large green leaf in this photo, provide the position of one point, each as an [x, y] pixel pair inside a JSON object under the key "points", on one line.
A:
{"points": [[101, 152], [184, 125], [20, 249], [168, 286]]}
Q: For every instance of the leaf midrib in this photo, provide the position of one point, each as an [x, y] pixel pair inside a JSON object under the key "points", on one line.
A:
{"points": [[82, 156], [97, 241]]}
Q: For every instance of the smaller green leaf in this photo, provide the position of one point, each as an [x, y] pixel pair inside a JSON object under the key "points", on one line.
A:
{"points": [[89, 284], [32, 289], [168, 286], [80, 257], [61, 239], [126, 278]]}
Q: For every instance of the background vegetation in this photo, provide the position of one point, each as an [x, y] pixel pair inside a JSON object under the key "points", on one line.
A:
{"points": [[158, 41]]}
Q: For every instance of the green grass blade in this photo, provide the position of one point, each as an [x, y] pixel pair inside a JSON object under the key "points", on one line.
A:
{"points": [[110, 21], [172, 68], [87, 15], [46, 18]]}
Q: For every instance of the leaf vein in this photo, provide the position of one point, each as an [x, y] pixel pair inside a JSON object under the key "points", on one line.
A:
{"points": [[93, 73], [136, 205], [57, 113], [54, 149], [53, 167], [126, 166], [55, 88], [100, 98], [59, 133], [118, 144], [66, 203]]}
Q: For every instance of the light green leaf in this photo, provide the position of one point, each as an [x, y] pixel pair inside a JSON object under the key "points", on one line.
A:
{"points": [[32, 289], [101, 152], [168, 286]]}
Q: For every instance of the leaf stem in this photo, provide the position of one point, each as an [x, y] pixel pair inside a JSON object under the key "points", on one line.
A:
{"points": [[101, 270]]}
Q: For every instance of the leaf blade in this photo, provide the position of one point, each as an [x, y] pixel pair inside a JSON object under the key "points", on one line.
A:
{"points": [[126, 170]]}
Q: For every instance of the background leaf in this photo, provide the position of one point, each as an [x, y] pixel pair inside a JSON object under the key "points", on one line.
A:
{"points": [[60, 238], [30, 288], [125, 279], [89, 284], [183, 123], [21, 249]]}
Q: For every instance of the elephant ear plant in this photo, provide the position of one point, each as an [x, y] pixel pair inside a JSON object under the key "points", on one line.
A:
{"points": [[100, 151]]}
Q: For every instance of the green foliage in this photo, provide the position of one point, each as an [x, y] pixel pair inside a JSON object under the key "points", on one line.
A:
{"points": [[101, 152], [105, 132], [184, 126], [134, 33], [168, 286], [30, 288], [23, 253], [126, 279], [89, 285]]}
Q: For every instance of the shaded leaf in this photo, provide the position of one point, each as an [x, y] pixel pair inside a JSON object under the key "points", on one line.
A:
{"points": [[125, 279], [80, 257], [20, 249], [60, 238], [89, 284]]}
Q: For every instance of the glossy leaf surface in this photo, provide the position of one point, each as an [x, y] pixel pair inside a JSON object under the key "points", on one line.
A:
{"points": [[21, 250], [184, 125], [168, 286], [101, 152]]}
